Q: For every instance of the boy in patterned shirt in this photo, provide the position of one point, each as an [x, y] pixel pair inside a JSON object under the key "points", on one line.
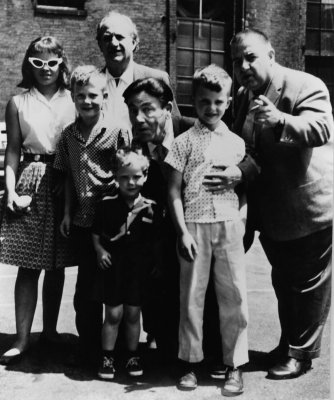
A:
{"points": [[85, 154], [210, 230]]}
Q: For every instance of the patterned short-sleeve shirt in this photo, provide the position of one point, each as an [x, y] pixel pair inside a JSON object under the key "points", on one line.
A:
{"points": [[196, 153], [90, 164]]}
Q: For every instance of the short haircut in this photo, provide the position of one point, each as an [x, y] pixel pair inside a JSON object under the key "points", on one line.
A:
{"points": [[127, 156], [212, 77], [157, 88], [45, 44], [239, 37], [84, 74], [114, 15]]}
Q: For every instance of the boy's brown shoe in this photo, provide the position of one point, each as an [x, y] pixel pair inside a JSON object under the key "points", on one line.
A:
{"points": [[188, 381], [233, 385]]}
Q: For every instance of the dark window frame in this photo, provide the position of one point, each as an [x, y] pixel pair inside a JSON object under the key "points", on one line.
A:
{"points": [[319, 29], [72, 8], [318, 60], [196, 23]]}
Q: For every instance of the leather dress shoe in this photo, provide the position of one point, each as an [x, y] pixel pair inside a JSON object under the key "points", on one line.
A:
{"points": [[233, 385], [12, 356], [290, 368]]}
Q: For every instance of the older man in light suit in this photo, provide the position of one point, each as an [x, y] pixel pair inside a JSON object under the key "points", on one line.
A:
{"points": [[118, 39], [285, 117]]}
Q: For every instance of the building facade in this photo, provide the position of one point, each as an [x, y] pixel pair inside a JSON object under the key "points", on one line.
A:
{"points": [[175, 35]]}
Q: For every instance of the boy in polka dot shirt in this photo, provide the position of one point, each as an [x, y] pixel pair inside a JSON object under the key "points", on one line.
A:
{"points": [[85, 153], [210, 230]]}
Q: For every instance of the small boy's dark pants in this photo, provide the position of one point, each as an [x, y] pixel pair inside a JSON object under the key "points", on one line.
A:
{"points": [[89, 313]]}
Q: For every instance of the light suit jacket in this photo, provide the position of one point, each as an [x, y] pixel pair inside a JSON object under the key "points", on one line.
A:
{"points": [[294, 189]]}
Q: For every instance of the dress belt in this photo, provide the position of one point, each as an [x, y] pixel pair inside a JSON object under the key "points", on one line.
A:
{"points": [[44, 158]]}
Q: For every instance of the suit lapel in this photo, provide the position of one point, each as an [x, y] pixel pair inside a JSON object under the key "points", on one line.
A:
{"points": [[137, 72], [275, 86], [273, 94], [241, 107]]}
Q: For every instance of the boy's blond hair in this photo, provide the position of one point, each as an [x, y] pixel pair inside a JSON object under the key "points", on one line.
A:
{"points": [[212, 77], [127, 156], [85, 74]]}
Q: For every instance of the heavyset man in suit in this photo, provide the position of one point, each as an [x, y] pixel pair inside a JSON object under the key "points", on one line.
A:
{"points": [[118, 39], [285, 117]]}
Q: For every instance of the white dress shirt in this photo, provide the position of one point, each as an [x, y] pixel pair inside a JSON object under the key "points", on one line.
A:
{"points": [[116, 111]]}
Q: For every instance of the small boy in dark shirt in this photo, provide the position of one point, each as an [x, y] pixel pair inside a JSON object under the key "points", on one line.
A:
{"points": [[124, 235]]}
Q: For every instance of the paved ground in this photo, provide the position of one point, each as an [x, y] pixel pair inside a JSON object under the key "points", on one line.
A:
{"points": [[42, 374]]}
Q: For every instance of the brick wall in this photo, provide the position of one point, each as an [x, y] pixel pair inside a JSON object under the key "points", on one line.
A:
{"points": [[284, 21], [19, 26]]}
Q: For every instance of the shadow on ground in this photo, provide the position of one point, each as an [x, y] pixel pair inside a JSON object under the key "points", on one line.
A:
{"points": [[42, 358]]}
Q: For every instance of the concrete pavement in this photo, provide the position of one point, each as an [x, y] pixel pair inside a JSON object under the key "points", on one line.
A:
{"points": [[43, 374]]}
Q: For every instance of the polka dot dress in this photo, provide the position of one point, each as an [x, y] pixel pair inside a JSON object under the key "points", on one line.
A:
{"points": [[33, 240]]}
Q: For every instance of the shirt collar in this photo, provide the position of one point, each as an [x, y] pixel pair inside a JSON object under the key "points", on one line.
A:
{"points": [[127, 75], [137, 206], [36, 93], [100, 127], [168, 138], [221, 128]]}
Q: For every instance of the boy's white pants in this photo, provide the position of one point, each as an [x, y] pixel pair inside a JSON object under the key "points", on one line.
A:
{"points": [[220, 245]]}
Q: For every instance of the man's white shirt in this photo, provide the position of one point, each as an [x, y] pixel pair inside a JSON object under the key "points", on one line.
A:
{"points": [[116, 111]]}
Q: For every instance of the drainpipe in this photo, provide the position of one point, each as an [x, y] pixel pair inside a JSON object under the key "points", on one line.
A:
{"points": [[239, 14], [167, 26]]}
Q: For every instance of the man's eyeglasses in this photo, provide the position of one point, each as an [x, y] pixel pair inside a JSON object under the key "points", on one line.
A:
{"points": [[109, 37], [38, 63]]}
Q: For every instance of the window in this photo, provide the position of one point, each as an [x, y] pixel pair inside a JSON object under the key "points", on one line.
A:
{"points": [[199, 43], [204, 28], [319, 52], [320, 28], [67, 7]]}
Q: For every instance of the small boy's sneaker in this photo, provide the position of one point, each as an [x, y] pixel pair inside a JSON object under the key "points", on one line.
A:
{"points": [[107, 369], [218, 371], [151, 343], [133, 367]]}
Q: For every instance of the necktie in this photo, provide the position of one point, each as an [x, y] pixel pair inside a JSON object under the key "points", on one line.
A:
{"points": [[248, 126], [160, 153]]}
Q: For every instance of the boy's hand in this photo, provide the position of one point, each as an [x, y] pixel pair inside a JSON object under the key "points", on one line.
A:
{"points": [[103, 259], [11, 199], [224, 180], [187, 247], [65, 226]]}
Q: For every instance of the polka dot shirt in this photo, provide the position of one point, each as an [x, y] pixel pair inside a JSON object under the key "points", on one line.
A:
{"points": [[90, 164], [196, 153]]}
